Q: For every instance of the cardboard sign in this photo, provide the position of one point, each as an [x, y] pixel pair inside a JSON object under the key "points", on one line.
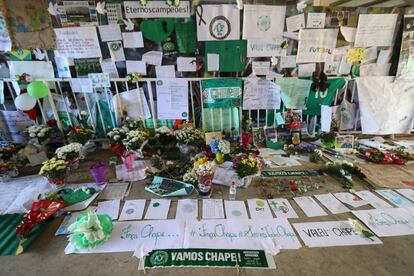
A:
{"points": [[156, 9]]}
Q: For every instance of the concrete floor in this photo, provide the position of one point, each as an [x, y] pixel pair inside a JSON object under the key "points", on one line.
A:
{"points": [[46, 256]]}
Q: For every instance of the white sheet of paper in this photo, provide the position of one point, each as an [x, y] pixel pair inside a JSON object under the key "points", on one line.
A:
{"points": [[134, 103], [109, 207], [332, 204], [187, 209], [316, 45], [282, 208], [388, 222], [109, 67], [37, 158], [133, 40], [265, 48], [186, 64], [326, 118], [81, 85], [78, 42], [133, 209], [165, 71], [235, 209], [348, 33], [370, 53], [259, 209], [261, 94], [295, 23], [287, 62], [332, 233], [36, 69], [158, 209], [291, 35], [218, 22], [62, 67], [316, 20], [263, 21], [373, 200], [408, 193], [114, 191], [350, 199], [395, 198], [116, 50], [306, 69], [111, 32], [213, 209], [373, 70], [137, 66], [309, 206], [344, 66], [260, 67], [213, 62], [138, 173], [384, 56], [152, 58], [375, 30], [172, 102]]}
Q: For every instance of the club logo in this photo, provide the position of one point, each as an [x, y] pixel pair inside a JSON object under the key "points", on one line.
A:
{"points": [[159, 258], [263, 23], [220, 27]]}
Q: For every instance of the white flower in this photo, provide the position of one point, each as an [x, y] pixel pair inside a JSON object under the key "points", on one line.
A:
{"points": [[32, 135], [224, 146]]}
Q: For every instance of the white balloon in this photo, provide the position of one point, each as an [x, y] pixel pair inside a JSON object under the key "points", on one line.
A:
{"points": [[25, 102]]}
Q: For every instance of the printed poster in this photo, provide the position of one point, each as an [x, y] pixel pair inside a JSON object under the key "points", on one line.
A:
{"points": [[316, 45], [78, 13], [261, 21], [30, 24], [172, 99], [218, 22], [156, 9], [78, 42], [375, 30], [222, 93]]}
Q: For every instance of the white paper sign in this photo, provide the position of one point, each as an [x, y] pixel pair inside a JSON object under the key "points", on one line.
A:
{"points": [[287, 62], [309, 206], [316, 20], [265, 48], [388, 222], [81, 85], [332, 233], [62, 67], [295, 23], [282, 208], [259, 209], [316, 45], [218, 22], [332, 204], [235, 209], [133, 40], [395, 198], [116, 50], [109, 67], [165, 71], [306, 69], [261, 68], [261, 94], [187, 209], [213, 209], [213, 62], [408, 193], [133, 102], [373, 200], [152, 58], [348, 33], [110, 32], [172, 102], [133, 209], [136, 66], [158, 209], [156, 9], [78, 42], [351, 199], [326, 118], [375, 30], [263, 21], [186, 64], [36, 69], [109, 207]]}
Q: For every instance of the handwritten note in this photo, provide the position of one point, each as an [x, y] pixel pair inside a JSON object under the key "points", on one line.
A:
{"points": [[110, 32], [109, 207], [213, 209], [350, 199], [316, 20], [408, 193], [261, 94], [295, 23], [136, 66], [316, 45], [78, 42], [375, 30], [12, 125], [395, 198], [186, 64], [332, 204], [133, 40]]}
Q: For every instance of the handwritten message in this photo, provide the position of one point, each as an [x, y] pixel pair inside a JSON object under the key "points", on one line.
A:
{"points": [[78, 42]]}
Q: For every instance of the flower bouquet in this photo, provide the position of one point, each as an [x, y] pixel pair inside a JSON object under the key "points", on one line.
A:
{"points": [[7, 171], [70, 153], [190, 177], [247, 167], [7, 151], [128, 158], [380, 157], [40, 133], [80, 135], [115, 137], [205, 173], [135, 140], [132, 124], [55, 170], [98, 172], [220, 148], [188, 139], [165, 135]]}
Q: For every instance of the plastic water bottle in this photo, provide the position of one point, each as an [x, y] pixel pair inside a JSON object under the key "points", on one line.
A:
{"points": [[233, 190]]}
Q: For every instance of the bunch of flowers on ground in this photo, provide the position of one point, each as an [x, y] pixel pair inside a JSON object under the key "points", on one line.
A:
{"points": [[7, 151], [190, 177], [190, 136], [80, 135], [246, 164], [41, 132], [116, 135], [69, 152], [54, 168], [132, 124], [220, 148], [165, 135], [135, 139]]}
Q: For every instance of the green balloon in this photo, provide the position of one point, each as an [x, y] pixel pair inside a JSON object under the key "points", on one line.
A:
{"points": [[38, 89]]}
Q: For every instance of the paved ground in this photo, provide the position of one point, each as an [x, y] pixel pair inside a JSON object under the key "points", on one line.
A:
{"points": [[46, 256]]}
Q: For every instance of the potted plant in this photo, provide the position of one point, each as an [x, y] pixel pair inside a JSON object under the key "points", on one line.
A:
{"points": [[116, 136], [220, 148], [39, 134], [188, 139], [205, 173], [80, 135], [55, 170], [247, 167], [70, 153]]}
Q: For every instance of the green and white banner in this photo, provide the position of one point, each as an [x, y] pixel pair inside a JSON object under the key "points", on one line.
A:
{"points": [[289, 173], [222, 93], [208, 258]]}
